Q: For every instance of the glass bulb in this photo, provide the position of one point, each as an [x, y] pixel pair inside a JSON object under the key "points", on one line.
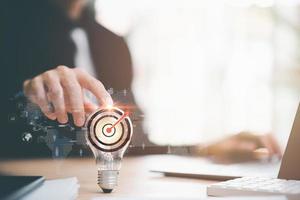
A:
{"points": [[108, 166], [108, 134]]}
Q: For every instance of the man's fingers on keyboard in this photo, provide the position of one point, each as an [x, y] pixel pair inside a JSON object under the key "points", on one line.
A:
{"points": [[275, 145], [269, 142]]}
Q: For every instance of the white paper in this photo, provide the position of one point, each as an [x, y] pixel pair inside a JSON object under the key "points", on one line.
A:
{"points": [[66, 189]]}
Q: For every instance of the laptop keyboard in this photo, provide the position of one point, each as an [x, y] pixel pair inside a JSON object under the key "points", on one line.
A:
{"points": [[255, 186]]}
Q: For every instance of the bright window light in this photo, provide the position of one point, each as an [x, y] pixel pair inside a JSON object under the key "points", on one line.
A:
{"points": [[206, 69]]}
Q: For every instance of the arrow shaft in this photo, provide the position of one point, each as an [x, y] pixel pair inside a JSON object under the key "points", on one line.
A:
{"points": [[119, 120]]}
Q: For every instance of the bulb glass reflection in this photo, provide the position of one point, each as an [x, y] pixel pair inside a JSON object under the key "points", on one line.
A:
{"points": [[109, 132]]}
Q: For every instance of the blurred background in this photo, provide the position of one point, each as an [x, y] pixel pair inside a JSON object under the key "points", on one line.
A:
{"points": [[205, 68]]}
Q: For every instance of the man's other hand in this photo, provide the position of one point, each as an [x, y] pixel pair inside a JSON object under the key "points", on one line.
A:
{"points": [[244, 146], [60, 91]]}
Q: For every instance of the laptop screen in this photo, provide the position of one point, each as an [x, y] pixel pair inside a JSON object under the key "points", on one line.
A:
{"points": [[290, 165]]}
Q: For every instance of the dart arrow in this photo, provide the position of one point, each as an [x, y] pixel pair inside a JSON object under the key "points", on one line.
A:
{"points": [[121, 118]]}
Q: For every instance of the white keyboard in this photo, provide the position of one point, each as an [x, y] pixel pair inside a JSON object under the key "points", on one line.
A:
{"points": [[248, 186]]}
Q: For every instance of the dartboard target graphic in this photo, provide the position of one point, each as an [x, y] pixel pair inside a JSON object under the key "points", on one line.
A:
{"points": [[109, 129]]}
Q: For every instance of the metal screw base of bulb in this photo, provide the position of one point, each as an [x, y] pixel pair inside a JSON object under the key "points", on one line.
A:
{"points": [[108, 180]]}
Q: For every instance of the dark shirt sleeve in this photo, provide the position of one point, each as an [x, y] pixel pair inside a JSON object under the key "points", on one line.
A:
{"points": [[28, 46]]}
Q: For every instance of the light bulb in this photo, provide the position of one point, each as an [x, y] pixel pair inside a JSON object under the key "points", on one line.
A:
{"points": [[109, 132]]}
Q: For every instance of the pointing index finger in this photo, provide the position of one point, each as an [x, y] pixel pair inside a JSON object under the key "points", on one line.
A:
{"points": [[95, 86]]}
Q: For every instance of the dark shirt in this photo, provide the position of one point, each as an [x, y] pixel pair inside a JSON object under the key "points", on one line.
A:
{"points": [[34, 38]]}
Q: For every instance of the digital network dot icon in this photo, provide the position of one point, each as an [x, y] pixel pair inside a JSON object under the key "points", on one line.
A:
{"points": [[109, 129]]}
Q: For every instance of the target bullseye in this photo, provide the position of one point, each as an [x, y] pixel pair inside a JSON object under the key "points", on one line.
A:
{"points": [[109, 129]]}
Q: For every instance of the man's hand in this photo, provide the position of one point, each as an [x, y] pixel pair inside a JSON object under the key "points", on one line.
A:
{"points": [[243, 146], [60, 91]]}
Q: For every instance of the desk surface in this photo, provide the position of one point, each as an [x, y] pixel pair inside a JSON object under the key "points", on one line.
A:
{"points": [[135, 179]]}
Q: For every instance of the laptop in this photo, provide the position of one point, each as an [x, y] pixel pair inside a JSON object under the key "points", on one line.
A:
{"points": [[287, 182], [190, 167], [290, 165], [15, 187], [202, 168]]}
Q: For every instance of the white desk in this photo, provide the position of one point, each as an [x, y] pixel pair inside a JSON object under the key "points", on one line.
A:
{"points": [[135, 178]]}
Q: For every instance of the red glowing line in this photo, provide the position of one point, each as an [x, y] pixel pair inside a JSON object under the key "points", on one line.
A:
{"points": [[121, 118]]}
